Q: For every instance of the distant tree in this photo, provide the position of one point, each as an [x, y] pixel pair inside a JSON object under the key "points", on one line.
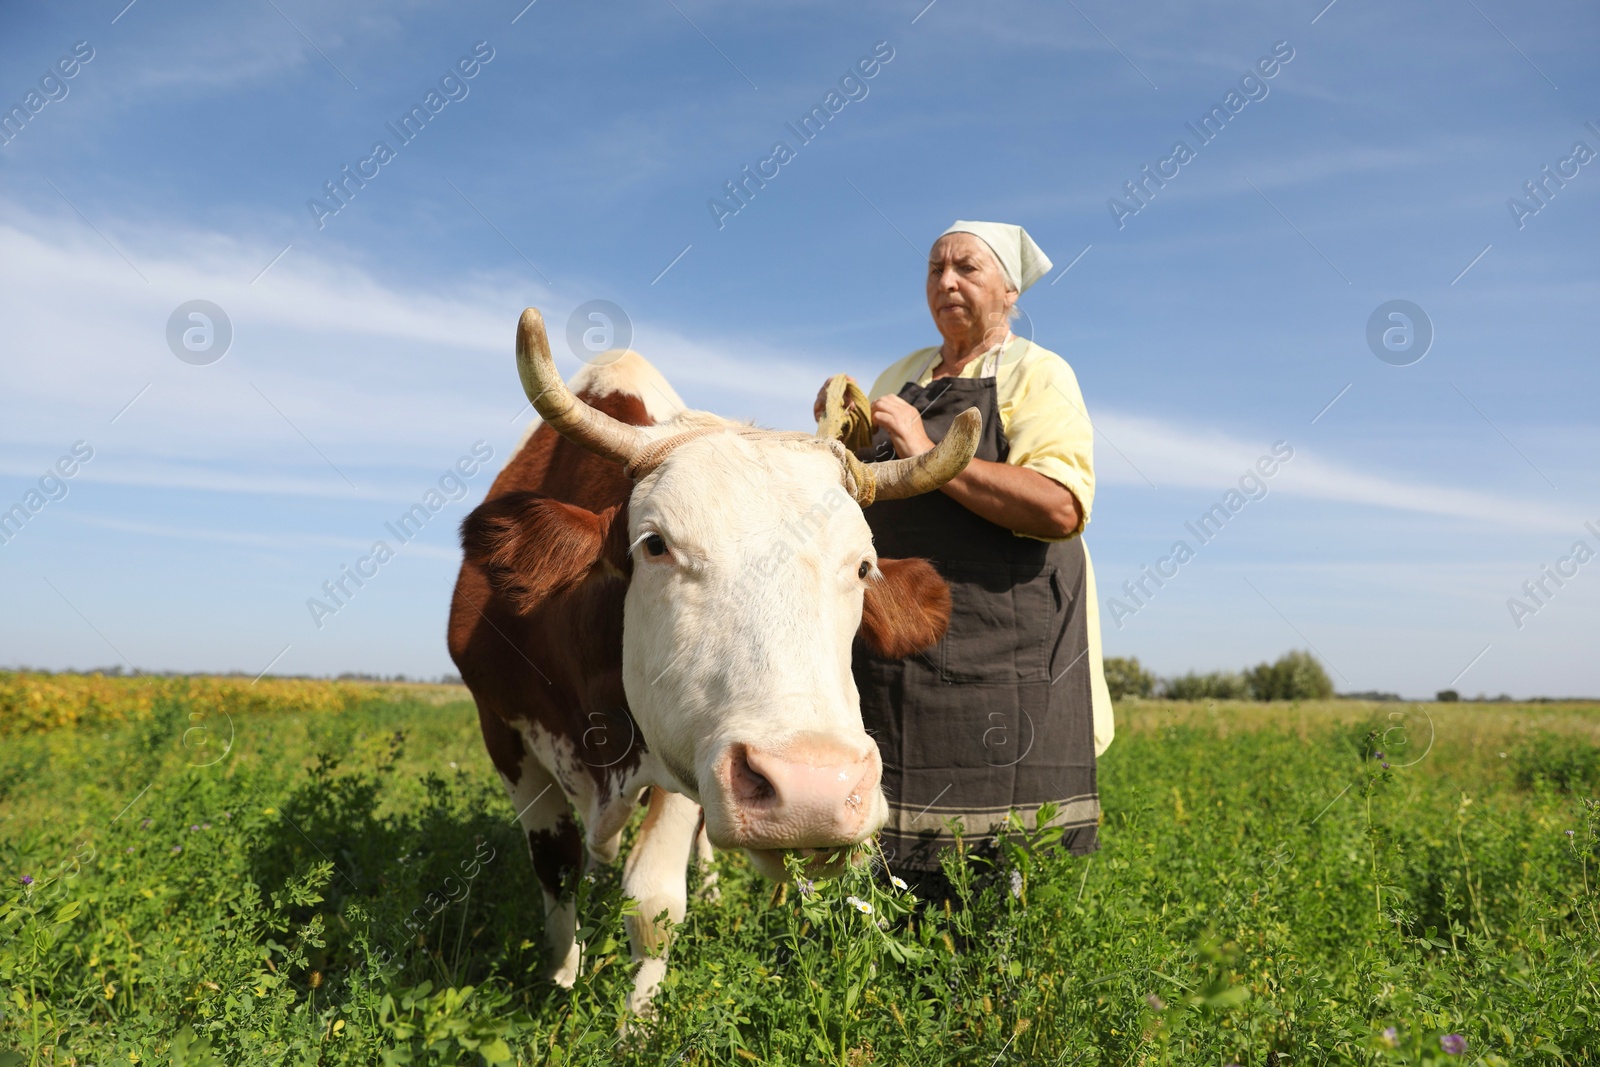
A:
{"points": [[1295, 676], [1447, 696], [1218, 685], [1126, 678]]}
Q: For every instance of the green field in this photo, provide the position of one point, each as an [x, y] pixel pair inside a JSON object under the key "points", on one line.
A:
{"points": [[1266, 893]]}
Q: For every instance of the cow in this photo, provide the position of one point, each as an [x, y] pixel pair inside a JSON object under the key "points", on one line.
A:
{"points": [[657, 605]]}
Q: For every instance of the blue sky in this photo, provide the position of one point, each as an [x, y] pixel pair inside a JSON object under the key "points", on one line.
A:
{"points": [[1223, 317]]}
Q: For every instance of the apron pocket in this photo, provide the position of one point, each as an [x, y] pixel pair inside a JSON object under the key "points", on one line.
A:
{"points": [[1001, 620]]}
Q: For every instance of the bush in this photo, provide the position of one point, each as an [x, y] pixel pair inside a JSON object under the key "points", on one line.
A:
{"points": [[1570, 764], [1218, 685], [1295, 676], [1126, 678], [1447, 696]]}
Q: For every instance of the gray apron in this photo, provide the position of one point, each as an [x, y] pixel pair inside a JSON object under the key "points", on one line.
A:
{"points": [[998, 715]]}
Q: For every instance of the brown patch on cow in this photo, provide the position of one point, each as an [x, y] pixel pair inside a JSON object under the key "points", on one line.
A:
{"points": [[905, 611], [506, 750], [534, 548], [551, 465], [543, 647], [557, 855], [611, 735]]}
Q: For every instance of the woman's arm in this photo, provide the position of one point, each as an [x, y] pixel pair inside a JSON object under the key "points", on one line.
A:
{"points": [[1017, 498]]}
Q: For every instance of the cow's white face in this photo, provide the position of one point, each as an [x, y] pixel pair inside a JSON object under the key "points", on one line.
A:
{"points": [[750, 563]]}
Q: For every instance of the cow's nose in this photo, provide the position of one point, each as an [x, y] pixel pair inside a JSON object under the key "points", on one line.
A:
{"points": [[809, 794]]}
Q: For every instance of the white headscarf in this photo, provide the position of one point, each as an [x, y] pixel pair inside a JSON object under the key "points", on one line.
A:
{"points": [[1023, 261]]}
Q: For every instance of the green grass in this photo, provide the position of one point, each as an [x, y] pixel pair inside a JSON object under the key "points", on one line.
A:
{"points": [[350, 888]]}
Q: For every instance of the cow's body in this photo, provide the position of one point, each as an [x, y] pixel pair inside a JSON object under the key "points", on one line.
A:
{"points": [[548, 684], [744, 570]]}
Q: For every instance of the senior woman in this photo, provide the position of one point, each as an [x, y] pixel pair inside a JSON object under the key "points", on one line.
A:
{"points": [[1010, 710]]}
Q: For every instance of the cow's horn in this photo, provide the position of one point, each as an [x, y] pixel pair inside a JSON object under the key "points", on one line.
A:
{"points": [[566, 414], [900, 478]]}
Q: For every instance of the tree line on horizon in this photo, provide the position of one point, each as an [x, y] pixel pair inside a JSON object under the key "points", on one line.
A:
{"points": [[1295, 675]]}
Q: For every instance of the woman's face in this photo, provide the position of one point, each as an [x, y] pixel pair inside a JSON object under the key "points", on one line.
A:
{"points": [[967, 291]]}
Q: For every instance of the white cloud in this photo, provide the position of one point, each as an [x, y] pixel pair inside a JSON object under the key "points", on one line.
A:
{"points": [[1178, 457], [227, 48], [377, 375], [354, 364], [269, 542]]}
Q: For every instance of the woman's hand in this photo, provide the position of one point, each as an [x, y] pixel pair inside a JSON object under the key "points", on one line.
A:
{"points": [[1017, 498], [903, 424], [822, 399]]}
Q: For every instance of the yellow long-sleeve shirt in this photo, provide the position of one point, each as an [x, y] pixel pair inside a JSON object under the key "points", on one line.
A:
{"points": [[1044, 419]]}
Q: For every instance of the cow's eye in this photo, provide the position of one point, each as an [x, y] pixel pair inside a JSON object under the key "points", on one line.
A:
{"points": [[864, 570], [655, 545]]}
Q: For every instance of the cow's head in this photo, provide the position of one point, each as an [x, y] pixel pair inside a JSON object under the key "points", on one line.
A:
{"points": [[751, 571]]}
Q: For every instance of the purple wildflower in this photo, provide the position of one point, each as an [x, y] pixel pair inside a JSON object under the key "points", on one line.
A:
{"points": [[176, 849], [1391, 1037], [27, 879], [194, 827], [1385, 765], [130, 848], [1377, 755], [1454, 1044], [1155, 1002], [1569, 833], [806, 886], [144, 824]]}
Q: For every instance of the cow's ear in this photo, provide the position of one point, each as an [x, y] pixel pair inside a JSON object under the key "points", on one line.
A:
{"points": [[907, 610], [614, 551], [533, 548]]}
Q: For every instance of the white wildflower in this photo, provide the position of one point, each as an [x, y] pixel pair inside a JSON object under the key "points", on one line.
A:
{"points": [[860, 905]]}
